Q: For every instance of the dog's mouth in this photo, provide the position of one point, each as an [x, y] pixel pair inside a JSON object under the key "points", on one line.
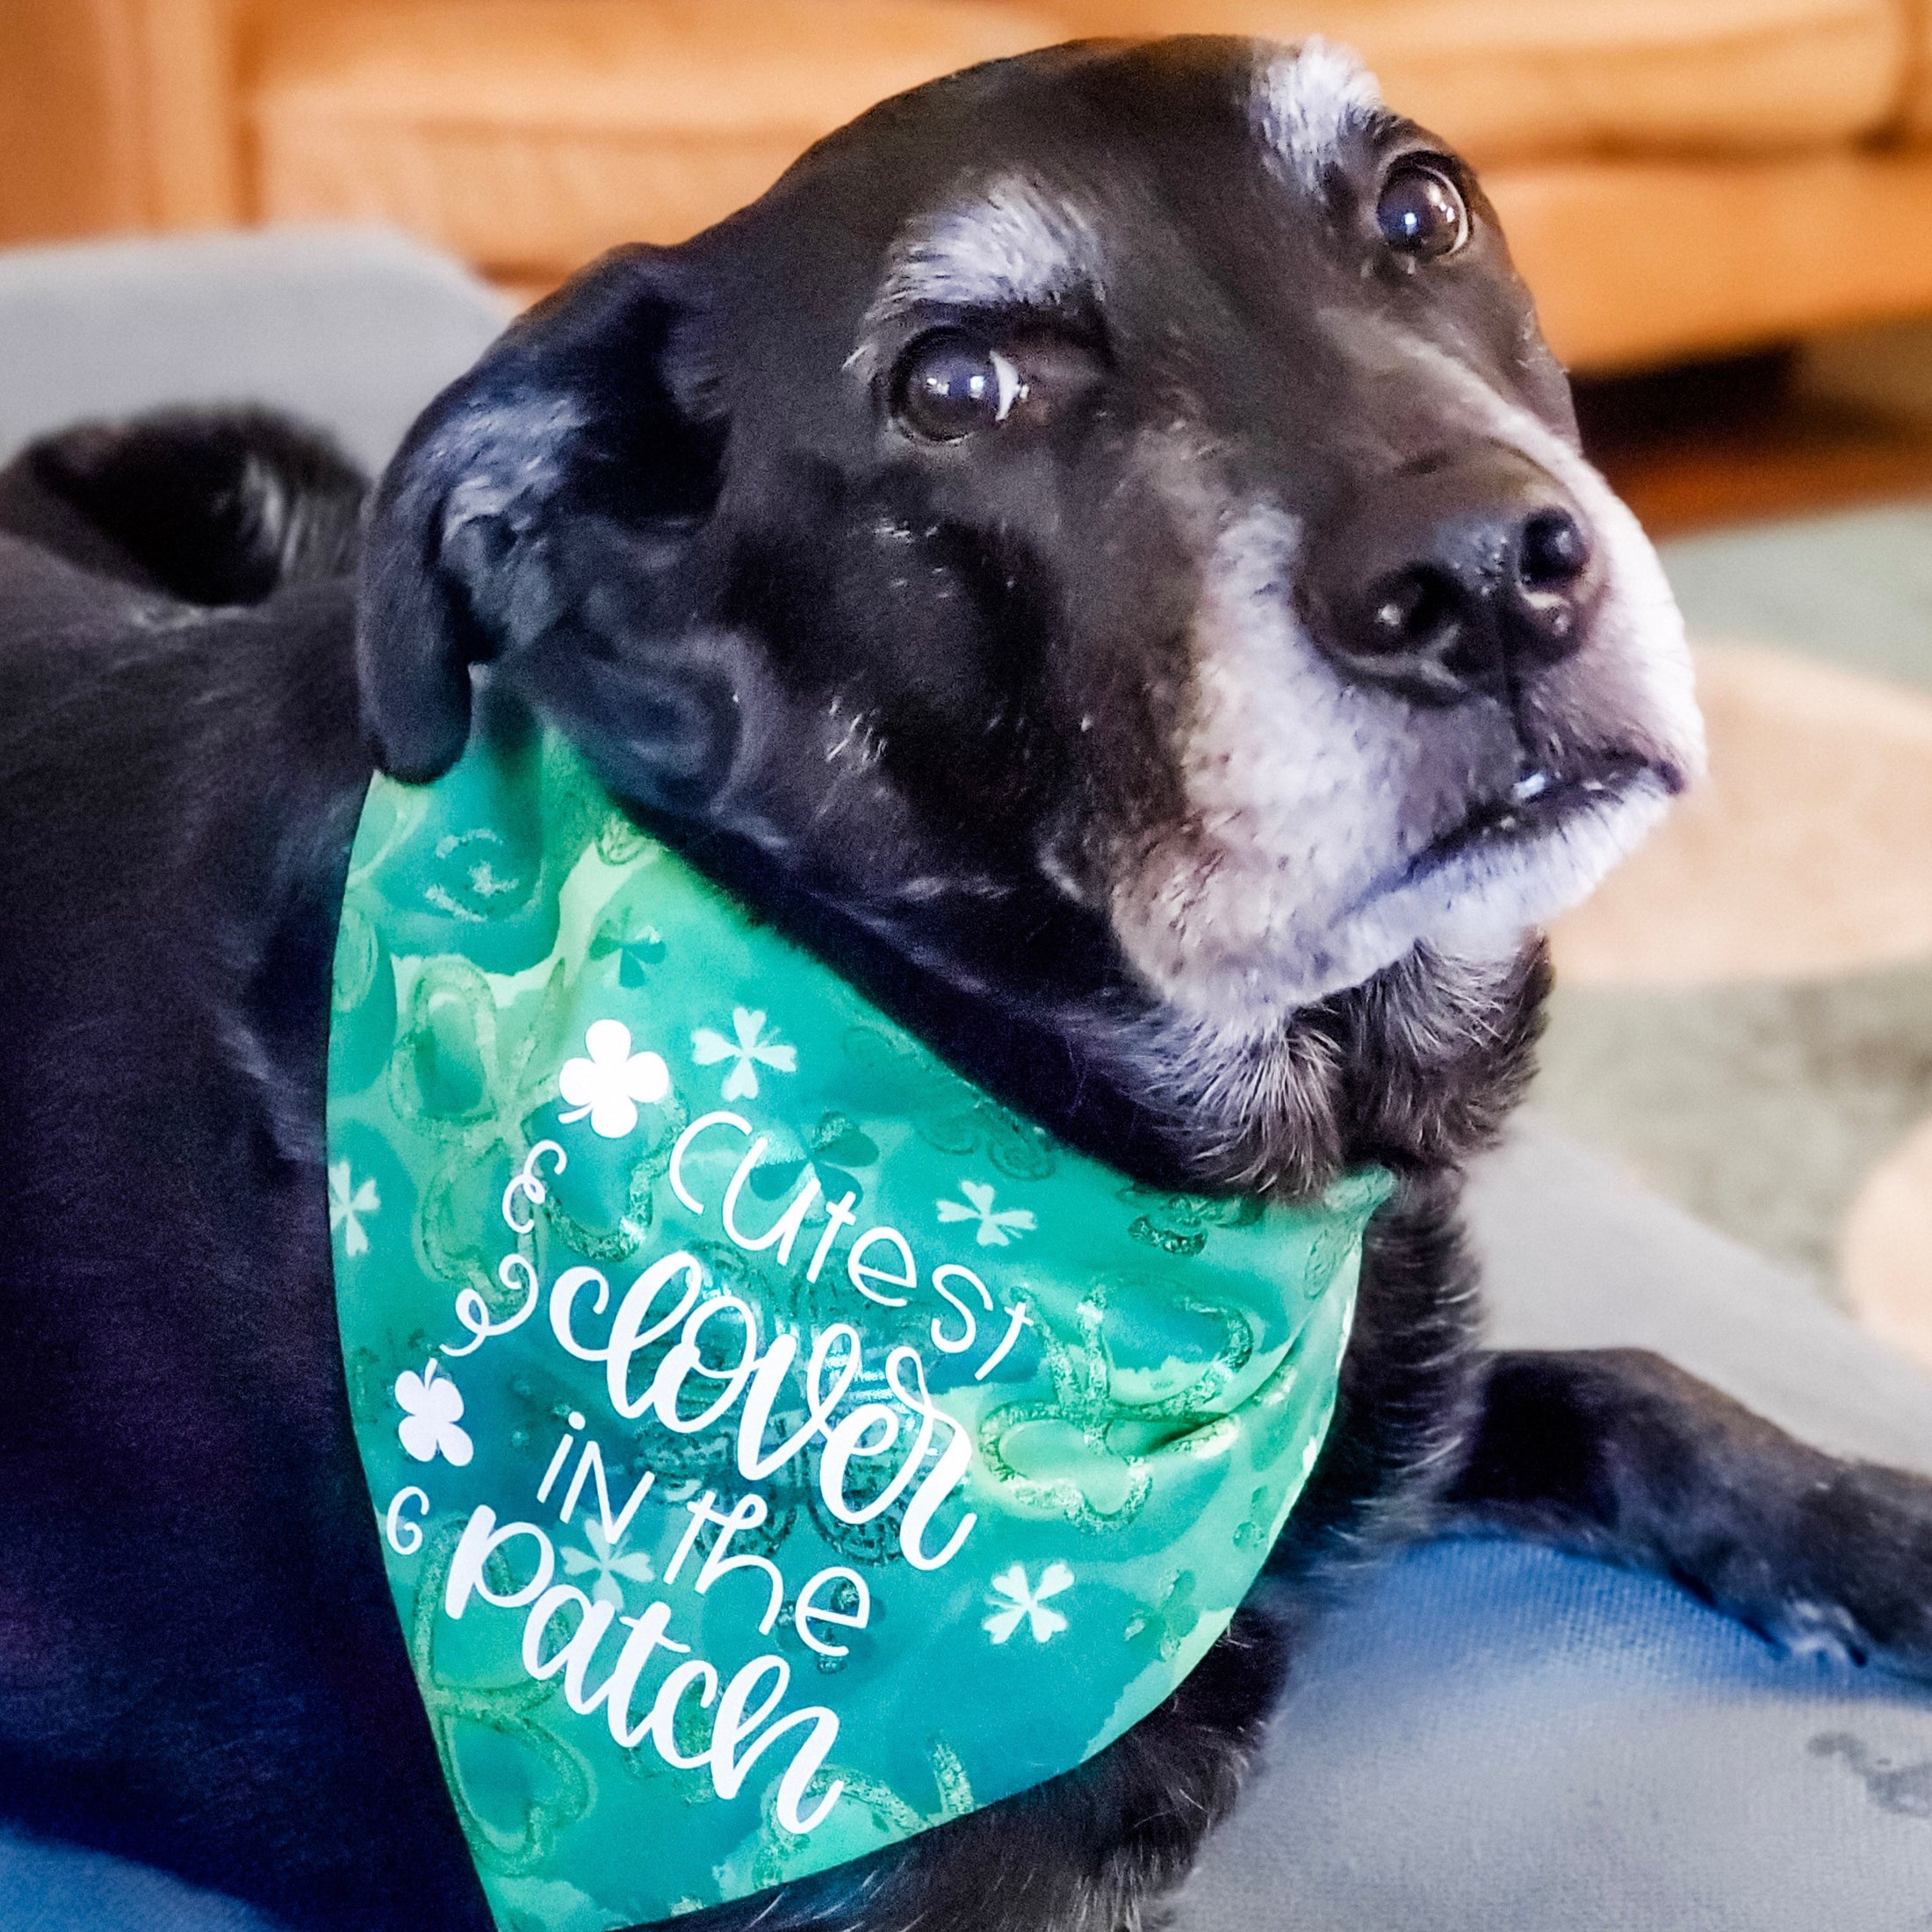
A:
{"points": [[1543, 801], [1539, 801]]}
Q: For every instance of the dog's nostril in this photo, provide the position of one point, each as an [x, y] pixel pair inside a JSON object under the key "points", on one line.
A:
{"points": [[1410, 609], [1553, 553]]}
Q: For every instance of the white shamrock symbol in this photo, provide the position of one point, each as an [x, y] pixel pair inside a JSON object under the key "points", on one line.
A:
{"points": [[609, 1566], [1026, 1605], [431, 1404], [754, 1048], [348, 1203], [609, 1083], [997, 1226]]}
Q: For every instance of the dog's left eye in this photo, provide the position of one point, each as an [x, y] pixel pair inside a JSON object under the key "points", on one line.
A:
{"points": [[1421, 211], [948, 385]]}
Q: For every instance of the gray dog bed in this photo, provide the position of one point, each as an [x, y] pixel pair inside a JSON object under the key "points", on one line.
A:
{"points": [[1491, 1738]]}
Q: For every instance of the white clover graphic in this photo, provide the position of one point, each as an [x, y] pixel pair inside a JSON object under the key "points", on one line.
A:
{"points": [[486, 884], [609, 1086], [349, 1201], [997, 1226], [754, 1048], [1027, 1603], [608, 1566], [431, 1404]]}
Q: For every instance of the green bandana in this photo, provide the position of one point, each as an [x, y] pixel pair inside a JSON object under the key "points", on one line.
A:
{"points": [[780, 1448]]}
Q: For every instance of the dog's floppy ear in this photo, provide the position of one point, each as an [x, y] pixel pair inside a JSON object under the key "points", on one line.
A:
{"points": [[585, 409]]}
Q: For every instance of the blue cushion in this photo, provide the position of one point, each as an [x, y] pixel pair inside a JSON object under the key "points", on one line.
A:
{"points": [[353, 328], [1500, 1739]]}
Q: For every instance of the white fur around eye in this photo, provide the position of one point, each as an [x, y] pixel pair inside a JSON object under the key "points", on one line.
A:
{"points": [[1015, 244], [1305, 103]]}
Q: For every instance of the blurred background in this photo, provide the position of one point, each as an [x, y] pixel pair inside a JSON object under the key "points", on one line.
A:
{"points": [[1721, 205]]}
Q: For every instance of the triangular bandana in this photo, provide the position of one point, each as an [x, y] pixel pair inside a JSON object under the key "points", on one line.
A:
{"points": [[779, 1447]]}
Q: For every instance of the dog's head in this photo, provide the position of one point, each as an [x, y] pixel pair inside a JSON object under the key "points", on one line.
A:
{"points": [[1108, 520]]}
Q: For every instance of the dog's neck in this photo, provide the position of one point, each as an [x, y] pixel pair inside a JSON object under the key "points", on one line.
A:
{"points": [[1418, 1067]]}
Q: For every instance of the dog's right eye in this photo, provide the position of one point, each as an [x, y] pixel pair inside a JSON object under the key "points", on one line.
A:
{"points": [[1421, 211], [948, 385]]}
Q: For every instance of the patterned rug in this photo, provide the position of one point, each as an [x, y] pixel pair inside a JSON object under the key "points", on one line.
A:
{"points": [[1744, 1016]]}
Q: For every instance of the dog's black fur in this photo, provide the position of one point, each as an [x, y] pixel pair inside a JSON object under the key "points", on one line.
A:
{"points": [[659, 516]]}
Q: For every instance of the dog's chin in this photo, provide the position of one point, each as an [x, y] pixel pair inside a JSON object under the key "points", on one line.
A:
{"points": [[1475, 894]]}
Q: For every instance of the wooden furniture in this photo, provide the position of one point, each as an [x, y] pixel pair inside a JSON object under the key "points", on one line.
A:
{"points": [[1678, 177]]}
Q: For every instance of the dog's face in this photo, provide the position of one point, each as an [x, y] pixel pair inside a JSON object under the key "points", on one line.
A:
{"points": [[1111, 505]]}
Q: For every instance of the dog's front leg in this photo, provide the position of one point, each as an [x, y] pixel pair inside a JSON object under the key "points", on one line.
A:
{"points": [[1617, 1453]]}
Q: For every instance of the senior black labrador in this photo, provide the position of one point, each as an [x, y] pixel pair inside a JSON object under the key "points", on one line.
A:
{"points": [[1100, 551]]}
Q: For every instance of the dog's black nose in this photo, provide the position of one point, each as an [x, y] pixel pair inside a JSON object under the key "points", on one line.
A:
{"points": [[1454, 579]]}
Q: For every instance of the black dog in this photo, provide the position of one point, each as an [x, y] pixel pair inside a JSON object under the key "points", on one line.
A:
{"points": [[1100, 552]]}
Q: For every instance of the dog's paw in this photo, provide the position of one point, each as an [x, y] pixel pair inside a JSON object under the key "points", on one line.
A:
{"points": [[216, 506], [1866, 1537]]}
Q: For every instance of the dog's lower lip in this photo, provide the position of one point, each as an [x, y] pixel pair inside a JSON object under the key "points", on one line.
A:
{"points": [[1537, 799]]}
